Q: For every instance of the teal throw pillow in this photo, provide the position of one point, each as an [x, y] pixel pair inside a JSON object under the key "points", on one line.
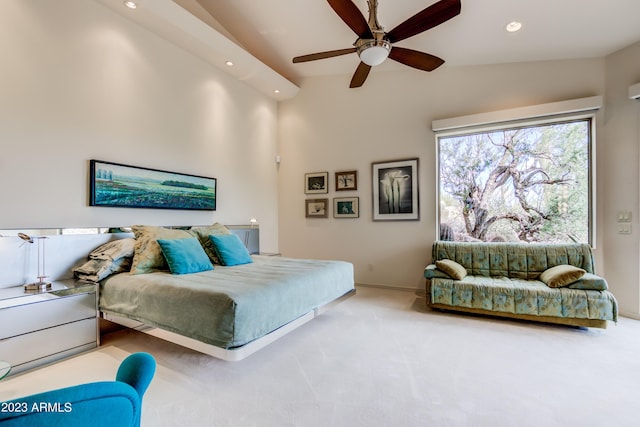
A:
{"points": [[230, 250], [185, 256]]}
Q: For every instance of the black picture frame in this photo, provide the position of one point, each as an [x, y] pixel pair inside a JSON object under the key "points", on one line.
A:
{"points": [[120, 185]]}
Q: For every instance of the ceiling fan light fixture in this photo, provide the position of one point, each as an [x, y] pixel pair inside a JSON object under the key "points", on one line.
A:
{"points": [[374, 52]]}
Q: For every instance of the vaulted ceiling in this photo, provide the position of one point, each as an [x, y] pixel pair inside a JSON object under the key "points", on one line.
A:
{"points": [[275, 31], [262, 37]]}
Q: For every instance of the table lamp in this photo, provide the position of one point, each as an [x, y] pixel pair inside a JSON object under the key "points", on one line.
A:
{"points": [[41, 285]]}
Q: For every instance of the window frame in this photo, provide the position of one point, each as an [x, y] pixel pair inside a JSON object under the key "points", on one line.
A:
{"points": [[523, 122]]}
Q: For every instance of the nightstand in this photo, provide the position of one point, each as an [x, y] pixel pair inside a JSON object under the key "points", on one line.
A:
{"points": [[39, 328]]}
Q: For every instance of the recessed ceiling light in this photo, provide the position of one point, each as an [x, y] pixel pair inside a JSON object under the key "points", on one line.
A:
{"points": [[130, 4], [513, 26], [276, 91], [229, 64]]}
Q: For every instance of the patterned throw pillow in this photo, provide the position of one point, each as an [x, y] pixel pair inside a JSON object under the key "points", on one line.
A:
{"points": [[95, 270], [203, 233], [590, 282], [147, 255], [114, 249]]}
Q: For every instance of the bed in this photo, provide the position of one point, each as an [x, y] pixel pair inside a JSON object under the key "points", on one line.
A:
{"points": [[227, 312]]}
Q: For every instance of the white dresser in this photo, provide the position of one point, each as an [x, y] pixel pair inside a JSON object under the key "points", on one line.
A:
{"points": [[36, 329]]}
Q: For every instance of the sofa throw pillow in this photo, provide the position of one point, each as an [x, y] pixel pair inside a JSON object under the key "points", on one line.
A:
{"points": [[452, 268], [561, 275], [147, 256], [203, 233], [114, 249], [231, 250], [185, 256], [590, 282]]}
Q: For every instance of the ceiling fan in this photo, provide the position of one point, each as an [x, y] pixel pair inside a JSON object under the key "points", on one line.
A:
{"points": [[374, 44]]}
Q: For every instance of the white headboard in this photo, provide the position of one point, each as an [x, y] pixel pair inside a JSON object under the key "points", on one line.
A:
{"points": [[19, 260]]}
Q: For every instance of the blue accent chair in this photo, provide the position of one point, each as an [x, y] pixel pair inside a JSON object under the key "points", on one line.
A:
{"points": [[106, 403]]}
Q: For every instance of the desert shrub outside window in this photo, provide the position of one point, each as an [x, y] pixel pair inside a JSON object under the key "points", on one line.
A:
{"points": [[524, 182]]}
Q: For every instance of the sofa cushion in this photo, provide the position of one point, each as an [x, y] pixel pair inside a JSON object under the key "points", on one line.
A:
{"points": [[519, 296], [561, 275], [452, 268], [590, 282], [514, 260]]}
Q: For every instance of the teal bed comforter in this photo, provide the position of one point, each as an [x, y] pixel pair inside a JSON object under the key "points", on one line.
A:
{"points": [[228, 306]]}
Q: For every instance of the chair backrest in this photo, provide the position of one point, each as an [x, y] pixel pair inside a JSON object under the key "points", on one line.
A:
{"points": [[137, 370], [514, 260], [106, 403]]}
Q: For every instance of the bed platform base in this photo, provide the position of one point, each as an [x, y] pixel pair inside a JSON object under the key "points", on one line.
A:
{"points": [[229, 354]]}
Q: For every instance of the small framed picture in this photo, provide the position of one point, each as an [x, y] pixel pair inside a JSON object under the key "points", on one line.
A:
{"points": [[316, 183], [395, 190], [346, 207], [317, 208], [347, 181]]}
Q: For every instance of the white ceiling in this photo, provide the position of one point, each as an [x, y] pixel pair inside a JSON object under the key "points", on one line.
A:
{"points": [[262, 37], [275, 31]]}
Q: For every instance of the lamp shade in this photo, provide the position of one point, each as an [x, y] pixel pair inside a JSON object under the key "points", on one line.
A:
{"points": [[374, 52]]}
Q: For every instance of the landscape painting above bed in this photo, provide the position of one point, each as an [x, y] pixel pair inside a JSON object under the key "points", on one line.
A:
{"points": [[118, 185]]}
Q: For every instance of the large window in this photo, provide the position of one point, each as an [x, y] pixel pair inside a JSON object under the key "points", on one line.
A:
{"points": [[528, 182]]}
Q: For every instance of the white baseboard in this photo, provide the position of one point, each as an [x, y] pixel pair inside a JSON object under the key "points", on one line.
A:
{"points": [[391, 287], [634, 316]]}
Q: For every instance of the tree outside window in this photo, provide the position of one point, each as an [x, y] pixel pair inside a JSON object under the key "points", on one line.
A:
{"points": [[528, 184]]}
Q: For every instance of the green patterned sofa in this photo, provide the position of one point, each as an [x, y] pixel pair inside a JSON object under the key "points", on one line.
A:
{"points": [[505, 279]]}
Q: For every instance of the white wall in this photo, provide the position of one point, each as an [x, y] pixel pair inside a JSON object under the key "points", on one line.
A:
{"points": [[328, 127], [79, 82], [620, 191]]}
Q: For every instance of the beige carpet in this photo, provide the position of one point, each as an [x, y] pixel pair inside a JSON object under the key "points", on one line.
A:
{"points": [[382, 358]]}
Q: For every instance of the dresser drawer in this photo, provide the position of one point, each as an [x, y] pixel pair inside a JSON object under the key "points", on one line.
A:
{"points": [[28, 347], [47, 313]]}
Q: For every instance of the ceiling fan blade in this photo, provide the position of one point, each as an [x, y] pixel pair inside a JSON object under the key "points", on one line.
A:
{"points": [[361, 74], [323, 55], [352, 16], [413, 58], [428, 18]]}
